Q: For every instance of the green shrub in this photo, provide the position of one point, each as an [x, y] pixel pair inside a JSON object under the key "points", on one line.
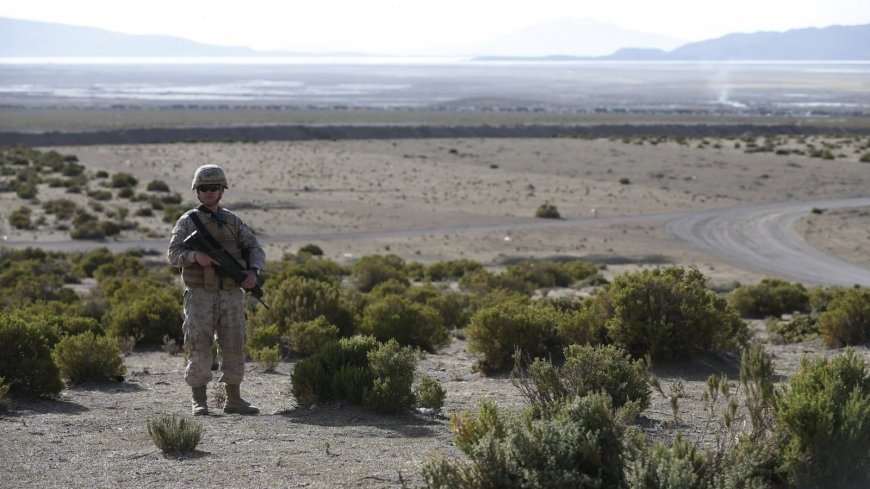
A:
{"points": [[451, 269], [25, 359], [174, 434], [411, 324], [802, 327], [143, 212], [547, 211], [297, 299], [267, 358], [580, 446], [585, 325], [33, 275], [172, 199], [358, 370], [679, 465], [820, 297], [308, 337], [580, 270], [20, 218], [319, 269], [120, 180], [496, 332], [263, 337], [100, 195], [468, 428], [454, 308], [479, 282], [350, 383], [823, 418], [770, 298], [429, 393], [847, 318], [86, 226], [109, 228], [87, 263], [313, 378], [86, 356], [388, 288], [61, 320], [415, 271], [865, 158], [149, 315], [171, 213], [311, 249], [124, 267], [26, 190], [587, 370], [541, 274], [393, 368], [62, 209], [371, 270], [157, 186], [669, 314]]}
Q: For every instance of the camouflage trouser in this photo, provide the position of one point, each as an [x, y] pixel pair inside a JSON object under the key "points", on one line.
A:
{"points": [[214, 314]]}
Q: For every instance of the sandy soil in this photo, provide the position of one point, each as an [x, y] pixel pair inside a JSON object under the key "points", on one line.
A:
{"points": [[477, 196], [463, 198]]}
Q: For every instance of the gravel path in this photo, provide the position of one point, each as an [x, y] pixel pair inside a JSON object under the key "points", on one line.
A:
{"points": [[763, 238]]}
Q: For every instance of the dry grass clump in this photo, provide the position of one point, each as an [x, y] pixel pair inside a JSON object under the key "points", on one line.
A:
{"points": [[174, 433], [4, 390]]}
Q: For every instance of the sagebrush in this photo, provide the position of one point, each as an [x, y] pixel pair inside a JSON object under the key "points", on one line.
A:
{"points": [[174, 434]]}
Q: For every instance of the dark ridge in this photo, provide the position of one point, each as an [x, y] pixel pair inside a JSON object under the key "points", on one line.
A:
{"points": [[336, 132], [596, 259]]}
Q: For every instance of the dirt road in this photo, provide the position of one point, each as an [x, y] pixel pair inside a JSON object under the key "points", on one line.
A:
{"points": [[763, 237]]}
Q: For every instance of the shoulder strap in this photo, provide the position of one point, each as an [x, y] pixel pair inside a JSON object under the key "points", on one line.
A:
{"points": [[204, 231]]}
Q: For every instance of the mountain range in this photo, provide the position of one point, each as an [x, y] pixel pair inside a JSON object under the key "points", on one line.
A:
{"points": [[565, 39]]}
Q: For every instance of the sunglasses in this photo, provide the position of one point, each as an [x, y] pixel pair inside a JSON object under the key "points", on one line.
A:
{"points": [[208, 188]]}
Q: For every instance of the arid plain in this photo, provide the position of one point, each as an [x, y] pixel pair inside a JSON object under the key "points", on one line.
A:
{"points": [[425, 200], [438, 199]]}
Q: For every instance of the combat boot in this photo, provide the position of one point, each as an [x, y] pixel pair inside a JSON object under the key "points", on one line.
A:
{"points": [[235, 404], [199, 401]]}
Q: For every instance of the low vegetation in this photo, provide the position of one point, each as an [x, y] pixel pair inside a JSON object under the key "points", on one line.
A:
{"points": [[358, 370], [85, 356], [812, 432], [174, 434], [91, 209], [548, 211], [770, 298]]}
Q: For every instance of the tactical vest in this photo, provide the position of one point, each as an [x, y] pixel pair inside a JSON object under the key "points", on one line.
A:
{"points": [[206, 277]]}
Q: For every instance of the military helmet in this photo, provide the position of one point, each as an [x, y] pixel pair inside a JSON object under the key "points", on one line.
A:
{"points": [[209, 174]]}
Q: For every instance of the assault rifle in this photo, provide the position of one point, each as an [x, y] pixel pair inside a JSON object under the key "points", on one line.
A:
{"points": [[227, 265]]}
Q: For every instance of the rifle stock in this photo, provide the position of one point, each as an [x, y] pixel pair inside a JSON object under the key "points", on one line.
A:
{"points": [[228, 266]]}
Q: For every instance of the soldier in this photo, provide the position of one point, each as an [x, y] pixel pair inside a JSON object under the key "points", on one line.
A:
{"points": [[214, 305]]}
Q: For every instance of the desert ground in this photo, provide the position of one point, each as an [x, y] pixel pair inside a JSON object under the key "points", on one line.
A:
{"points": [[424, 200]]}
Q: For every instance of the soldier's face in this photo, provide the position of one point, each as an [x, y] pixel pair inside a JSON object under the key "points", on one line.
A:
{"points": [[210, 194]]}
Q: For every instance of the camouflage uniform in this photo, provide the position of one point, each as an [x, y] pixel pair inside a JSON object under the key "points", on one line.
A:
{"points": [[214, 305]]}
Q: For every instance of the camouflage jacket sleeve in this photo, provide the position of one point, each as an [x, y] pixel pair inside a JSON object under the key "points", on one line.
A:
{"points": [[179, 256], [248, 241]]}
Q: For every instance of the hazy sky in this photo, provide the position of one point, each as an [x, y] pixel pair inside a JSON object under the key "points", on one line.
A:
{"points": [[400, 25]]}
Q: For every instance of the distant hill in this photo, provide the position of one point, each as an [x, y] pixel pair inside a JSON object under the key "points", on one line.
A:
{"points": [[560, 38], [25, 38], [834, 43]]}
